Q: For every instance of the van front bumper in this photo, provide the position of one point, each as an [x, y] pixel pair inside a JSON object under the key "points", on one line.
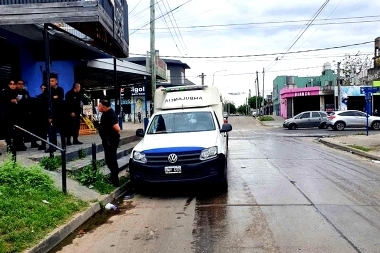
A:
{"points": [[213, 170]]}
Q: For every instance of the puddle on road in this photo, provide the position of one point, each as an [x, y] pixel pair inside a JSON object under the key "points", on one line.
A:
{"points": [[123, 203]]}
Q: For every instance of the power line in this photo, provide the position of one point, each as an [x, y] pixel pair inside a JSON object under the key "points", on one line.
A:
{"points": [[299, 35], [258, 55], [184, 18], [142, 11], [176, 8], [306, 57], [279, 22], [175, 21], [320, 24], [175, 43], [134, 8]]}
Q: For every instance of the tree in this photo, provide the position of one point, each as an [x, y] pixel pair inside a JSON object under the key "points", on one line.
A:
{"points": [[229, 107], [352, 66], [252, 102], [242, 109]]}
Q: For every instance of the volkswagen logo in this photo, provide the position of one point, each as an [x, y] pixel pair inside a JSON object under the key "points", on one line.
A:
{"points": [[172, 158]]}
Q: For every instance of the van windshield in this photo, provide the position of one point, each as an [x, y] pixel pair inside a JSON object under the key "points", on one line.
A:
{"points": [[181, 122]]}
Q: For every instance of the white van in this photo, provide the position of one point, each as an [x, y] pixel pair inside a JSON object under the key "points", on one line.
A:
{"points": [[186, 140]]}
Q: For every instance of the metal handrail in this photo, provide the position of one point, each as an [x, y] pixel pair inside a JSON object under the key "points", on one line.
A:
{"points": [[63, 155]]}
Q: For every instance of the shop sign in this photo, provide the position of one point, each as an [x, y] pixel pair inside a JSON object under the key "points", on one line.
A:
{"points": [[302, 94], [161, 67], [138, 90]]}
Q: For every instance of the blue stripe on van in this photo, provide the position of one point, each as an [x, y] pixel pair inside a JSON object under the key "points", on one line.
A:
{"points": [[172, 150]]}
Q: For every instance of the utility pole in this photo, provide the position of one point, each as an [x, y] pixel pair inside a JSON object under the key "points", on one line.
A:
{"points": [[202, 76], [263, 93], [246, 108], [258, 91], [152, 48], [256, 95], [338, 80]]}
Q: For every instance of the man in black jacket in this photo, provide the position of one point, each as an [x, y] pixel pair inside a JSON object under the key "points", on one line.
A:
{"points": [[10, 101], [73, 104], [24, 116], [109, 131], [56, 120]]}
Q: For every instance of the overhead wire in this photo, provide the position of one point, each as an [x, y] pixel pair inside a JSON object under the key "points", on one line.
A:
{"points": [[147, 8], [319, 25], [175, 21], [134, 8], [280, 22], [176, 8], [175, 43], [299, 35], [265, 54], [306, 57]]}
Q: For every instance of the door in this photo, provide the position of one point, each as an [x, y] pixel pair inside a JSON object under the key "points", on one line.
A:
{"points": [[360, 119], [305, 120], [315, 120]]}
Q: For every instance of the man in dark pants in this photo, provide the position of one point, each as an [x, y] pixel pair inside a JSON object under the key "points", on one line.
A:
{"points": [[10, 100], [109, 131], [25, 117], [57, 120], [41, 115], [73, 107]]}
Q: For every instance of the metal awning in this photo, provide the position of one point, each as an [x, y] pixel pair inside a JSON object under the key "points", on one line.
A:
{"points": [[99, 74]]}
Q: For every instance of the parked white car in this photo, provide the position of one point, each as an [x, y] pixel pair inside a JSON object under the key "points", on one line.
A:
{"points": [[339, 120]]}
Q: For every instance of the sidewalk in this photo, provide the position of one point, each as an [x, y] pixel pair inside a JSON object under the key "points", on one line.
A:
{"points": [[277, 122], [366, 146], [96, 200]]}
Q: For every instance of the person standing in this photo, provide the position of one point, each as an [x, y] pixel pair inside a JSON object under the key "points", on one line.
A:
{"points": [[41, 114], [375, 113], [73, 106], [109, 132], [24, 115], [139, 116], [56, 120], [10, 100]]}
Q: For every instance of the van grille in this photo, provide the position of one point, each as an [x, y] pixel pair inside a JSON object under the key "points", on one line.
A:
{"points": [[183, 158]]}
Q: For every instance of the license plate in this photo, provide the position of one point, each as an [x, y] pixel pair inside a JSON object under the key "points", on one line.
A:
{"points": [[173, 169]]}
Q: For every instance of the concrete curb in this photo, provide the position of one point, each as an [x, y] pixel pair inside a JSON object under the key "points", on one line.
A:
{"points": [[349, 149], [59, 234]]}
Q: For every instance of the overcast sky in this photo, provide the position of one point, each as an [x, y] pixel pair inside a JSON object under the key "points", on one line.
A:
{"points": [[227, 39]]}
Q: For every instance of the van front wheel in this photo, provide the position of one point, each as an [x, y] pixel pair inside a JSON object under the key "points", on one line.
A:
{"points": [[223, 186]]}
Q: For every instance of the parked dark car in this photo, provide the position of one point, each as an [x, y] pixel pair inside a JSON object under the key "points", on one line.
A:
{"points": [[306, 120]]}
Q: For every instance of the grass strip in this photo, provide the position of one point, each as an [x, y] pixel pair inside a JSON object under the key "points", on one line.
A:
{"points": [[30, 206]]}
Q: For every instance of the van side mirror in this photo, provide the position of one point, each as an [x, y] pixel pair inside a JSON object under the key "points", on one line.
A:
{"points": [[226, 128], [140, 132]]}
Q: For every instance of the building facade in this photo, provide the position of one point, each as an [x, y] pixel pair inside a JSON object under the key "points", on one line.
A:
{"points": [[32, 40], [294, 94]]}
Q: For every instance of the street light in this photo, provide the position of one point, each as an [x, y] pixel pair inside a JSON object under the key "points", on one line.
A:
{"points": [[213, 75]]}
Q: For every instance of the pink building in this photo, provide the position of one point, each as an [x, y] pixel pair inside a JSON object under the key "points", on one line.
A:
{"points": [[296, 100]]}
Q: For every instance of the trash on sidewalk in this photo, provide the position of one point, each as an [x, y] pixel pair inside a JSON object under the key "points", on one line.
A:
{"points": [[110, 206], [375, 161], [46, 202], [81, 233], [128, 196]]}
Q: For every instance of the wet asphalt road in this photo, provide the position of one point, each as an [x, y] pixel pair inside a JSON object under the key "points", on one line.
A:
{"points": [[286, 194]]}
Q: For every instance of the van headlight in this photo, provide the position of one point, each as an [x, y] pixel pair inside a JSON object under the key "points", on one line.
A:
{"points": [[209, 153], [139, 157]]}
